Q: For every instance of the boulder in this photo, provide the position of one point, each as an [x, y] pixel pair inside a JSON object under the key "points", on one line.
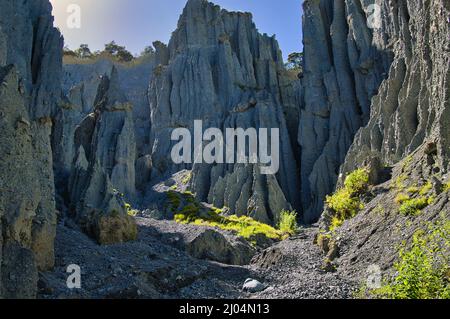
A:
{"points": [[253, 286]]}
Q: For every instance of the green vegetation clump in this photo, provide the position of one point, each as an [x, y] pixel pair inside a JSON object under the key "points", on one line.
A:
{"points": [[414, 206], [188, 211], [407, 162], [295, 63], [130, 211], [346, 202], [426, 189], [413, 190], [447, 187], [399, 182], [423, 270], [288, 222], [244, 226], [174, 200]]}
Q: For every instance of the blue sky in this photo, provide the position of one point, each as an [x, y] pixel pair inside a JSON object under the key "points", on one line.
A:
{"points": [[137, 23]]}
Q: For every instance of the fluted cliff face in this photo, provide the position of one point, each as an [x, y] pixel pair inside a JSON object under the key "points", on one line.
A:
{"points": [[104, 168], [372, 95], [80, 87], [344, 66], [412, 106], [219, 69], [391, 75], [30, 76]]}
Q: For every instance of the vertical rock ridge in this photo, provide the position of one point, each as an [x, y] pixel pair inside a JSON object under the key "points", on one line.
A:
{"points": [[222, 71], [30, 69], [412, 106], [344, 66], [103, 175]]}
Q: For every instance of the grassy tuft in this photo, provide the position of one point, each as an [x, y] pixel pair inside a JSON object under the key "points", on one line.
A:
{"points": [[401, 198], [244, 226], [345, 203], [426, 189], [288, 222], [447, 187], [414, 206]]}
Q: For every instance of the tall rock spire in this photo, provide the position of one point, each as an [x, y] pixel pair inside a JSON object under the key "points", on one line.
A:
{"points": [[222, 71]]}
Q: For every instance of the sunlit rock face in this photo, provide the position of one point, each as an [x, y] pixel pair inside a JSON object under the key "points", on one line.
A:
{"points": [[219, 69], [30, 79], [390, 74], [412, 105]]}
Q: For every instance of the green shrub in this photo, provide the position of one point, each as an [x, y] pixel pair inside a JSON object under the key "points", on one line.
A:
{"points": [[345, 203], [186, 178], [243, 226], [130, 211], [407, 162], [413, 190], [426, 189], [413, 207], [447, 187], [357, 182], [336, 222], [288, 222], [423, 269], [174, 200], [399, 182], [401, 198]]}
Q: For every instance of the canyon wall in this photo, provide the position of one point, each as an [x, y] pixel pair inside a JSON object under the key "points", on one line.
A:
{"points": [[389, 75], [30, 79], [412, 106], [103, 131], [344, 66]]}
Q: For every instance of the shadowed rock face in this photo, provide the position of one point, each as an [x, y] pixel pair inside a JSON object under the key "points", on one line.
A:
{"points": [[344, 66], [104, 170], [80, 86], [219, 69], [30, 79]]}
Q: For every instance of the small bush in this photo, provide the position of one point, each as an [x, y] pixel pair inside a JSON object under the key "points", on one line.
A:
{"points": [[336, 222], [345, 203], [426, 189], [243, 226], [357, 182], [174, 200], [186, 178], [130, 211], [413, 190], [447, 187], [423, 269], [413, 207], [288, 222], [401, 198]]}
